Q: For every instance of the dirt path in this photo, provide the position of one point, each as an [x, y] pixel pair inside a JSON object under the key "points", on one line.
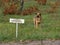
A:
{"points": [[44, 42]]}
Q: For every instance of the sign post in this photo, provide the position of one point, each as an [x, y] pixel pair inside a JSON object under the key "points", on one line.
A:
{"points": [[13, 20], [16, 30]]}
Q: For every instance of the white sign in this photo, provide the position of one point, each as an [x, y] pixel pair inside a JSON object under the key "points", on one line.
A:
{"points": [[13, 20]]}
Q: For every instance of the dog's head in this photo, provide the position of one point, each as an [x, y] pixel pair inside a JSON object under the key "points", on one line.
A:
{"points": [[38, 14]]}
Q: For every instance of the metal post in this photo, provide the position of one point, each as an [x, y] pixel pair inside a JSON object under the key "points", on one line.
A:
{"points": [[16, 30]]}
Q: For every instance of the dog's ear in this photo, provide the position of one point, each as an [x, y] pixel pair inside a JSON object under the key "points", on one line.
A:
{"points": [[40, 14]]}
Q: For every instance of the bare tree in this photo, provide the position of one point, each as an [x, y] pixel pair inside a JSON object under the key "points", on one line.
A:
{"points": [[21, 5]]}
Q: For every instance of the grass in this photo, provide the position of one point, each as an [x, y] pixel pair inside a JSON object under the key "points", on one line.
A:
{"points": [[48, 29]]}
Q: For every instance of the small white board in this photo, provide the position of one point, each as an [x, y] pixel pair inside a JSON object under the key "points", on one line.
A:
{"points": [[13, 20]]}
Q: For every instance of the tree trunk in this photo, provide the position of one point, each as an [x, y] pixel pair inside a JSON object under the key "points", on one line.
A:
{"points": [[21, 5]]}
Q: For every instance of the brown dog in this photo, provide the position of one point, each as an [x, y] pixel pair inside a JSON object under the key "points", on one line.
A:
{"points": [[37, 20]]}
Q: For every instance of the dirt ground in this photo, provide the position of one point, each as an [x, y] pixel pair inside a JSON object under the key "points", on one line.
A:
{"points": [[44, 42]]}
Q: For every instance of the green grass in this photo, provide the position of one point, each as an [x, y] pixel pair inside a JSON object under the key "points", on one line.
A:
{"points": [[48, 29]]}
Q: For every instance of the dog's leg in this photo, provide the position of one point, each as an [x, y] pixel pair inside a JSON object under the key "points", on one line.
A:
{"points": [[36, 25]]}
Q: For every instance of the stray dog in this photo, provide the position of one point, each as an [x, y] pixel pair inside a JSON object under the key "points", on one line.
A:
{"points": [[37, 20]]}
